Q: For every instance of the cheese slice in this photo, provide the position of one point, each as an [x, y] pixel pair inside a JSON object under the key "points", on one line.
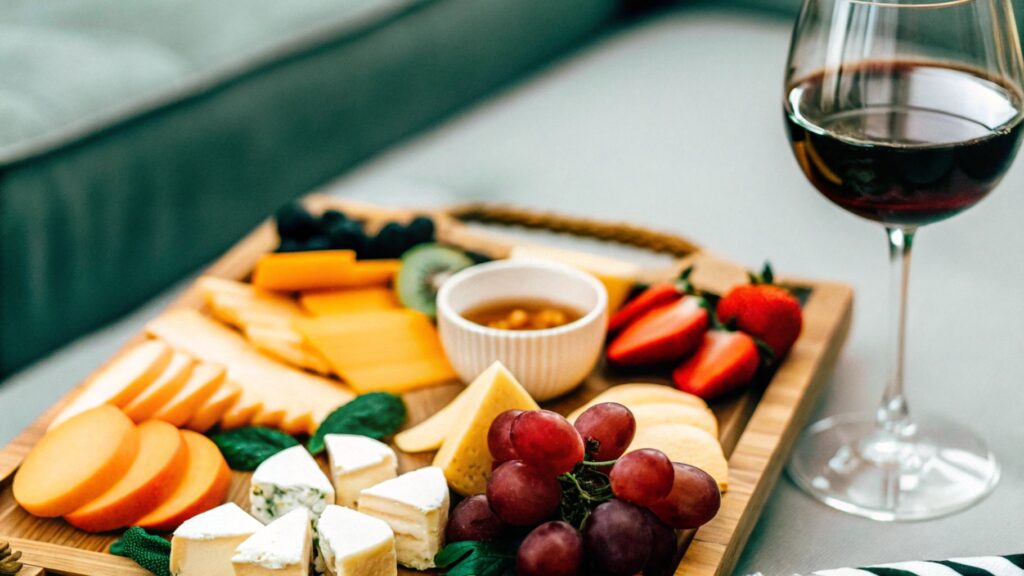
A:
{"points": [[355, 544], [210, 412], [358, 462], [204, 545], [688, 445], [202, 384], [288, 480], [120, 381], [630, 395], [415, 505], [618, 276], [165, 387], [334, 302], [287, 345], [464, 457], [648, 415], [281, 548], [302, 399]]}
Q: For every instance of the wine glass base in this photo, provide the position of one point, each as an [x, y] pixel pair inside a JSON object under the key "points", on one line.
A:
{"points": [[846, 463]]}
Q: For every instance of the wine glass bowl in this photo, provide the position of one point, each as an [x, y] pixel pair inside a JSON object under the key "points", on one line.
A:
{"points": [[903, 112]]}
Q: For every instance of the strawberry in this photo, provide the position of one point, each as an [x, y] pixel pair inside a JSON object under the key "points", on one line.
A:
{"points": [[667, 332], [649, 299], [726, 361], [765, 311]]}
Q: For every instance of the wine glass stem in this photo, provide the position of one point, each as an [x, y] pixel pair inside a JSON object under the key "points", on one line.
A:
{"points": [[893, 414]]}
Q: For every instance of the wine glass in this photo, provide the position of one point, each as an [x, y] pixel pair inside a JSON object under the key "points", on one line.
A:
{"points": [[905, 112]]}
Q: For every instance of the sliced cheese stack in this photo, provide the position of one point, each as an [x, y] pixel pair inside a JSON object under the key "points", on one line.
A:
{"points": [[281, 548], [356, 463], [355, 544], [415, 505], [464, 456], [272, 393], [264, 317], [286, 481], [205, 544]]}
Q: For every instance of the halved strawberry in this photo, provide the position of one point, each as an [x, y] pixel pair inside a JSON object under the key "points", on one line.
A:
{"points": [[725, 361], [653, 297], [765, 311], [667, 332]]}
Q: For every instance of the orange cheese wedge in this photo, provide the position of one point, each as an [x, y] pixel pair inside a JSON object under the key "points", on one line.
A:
{"points": [[204, 486], [202, 384], [156, 472], [165, 387], [215, 407], [76, 462], [120, 381], [333, 302]]}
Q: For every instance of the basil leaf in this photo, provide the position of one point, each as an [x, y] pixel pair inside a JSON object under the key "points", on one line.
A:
{"points": [[147, 550], [247, 448], [471, 558], [377, 414]]}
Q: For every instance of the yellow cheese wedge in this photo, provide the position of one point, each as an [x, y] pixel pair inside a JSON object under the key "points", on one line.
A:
{"points": [[631, 395], [464, 456], [334, 302], [120, 381], [207, 415], [688, 445], [273, 386], [618, 276], [206, 379], [165, 387], [429, 434]]}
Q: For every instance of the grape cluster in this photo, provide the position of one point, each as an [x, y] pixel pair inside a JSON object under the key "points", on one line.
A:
{"points": [[334, 230], [587, 507]]}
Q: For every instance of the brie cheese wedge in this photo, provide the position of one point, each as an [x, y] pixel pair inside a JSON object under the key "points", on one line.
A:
{"points": [[288, 480], [358, 462], [415, 505], [355, 544], [203, 545], [281, 548]]}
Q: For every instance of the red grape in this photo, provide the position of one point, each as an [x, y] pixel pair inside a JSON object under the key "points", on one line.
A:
{"points": [[663, 546], [523, 495], [617, 539], [499, 440], [545, 439], [643, 477], [693, 501], [551, 549], [612, 425], [473, 519]]}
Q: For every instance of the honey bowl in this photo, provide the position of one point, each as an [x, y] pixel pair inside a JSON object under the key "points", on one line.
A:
{"points": [[544, 321]]}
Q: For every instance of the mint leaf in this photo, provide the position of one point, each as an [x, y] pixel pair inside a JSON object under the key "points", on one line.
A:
{"points": [[247, 448], [377, 414], [471, 558], [147, 550]]}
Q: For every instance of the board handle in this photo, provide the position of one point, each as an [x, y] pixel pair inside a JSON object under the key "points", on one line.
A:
{"points": [[618, 232]]}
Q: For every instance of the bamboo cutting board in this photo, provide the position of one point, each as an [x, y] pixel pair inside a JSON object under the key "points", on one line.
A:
{"points": [[757, 428]]}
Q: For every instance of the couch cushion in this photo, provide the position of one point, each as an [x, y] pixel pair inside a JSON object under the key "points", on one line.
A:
{"points": [[173, 131]]}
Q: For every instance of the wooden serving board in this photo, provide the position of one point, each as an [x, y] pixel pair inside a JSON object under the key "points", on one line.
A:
{"points": [[757, 428]]}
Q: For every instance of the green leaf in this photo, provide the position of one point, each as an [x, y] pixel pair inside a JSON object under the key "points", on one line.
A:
{"points": [[377, 414], [247, 448], [147, 550], [471, 558]]}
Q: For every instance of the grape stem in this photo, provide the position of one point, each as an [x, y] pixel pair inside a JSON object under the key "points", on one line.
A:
{"points": [[583, 491], [599, 464]]}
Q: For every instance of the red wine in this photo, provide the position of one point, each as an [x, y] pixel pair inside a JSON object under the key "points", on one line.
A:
{"points": [[904, 142]]}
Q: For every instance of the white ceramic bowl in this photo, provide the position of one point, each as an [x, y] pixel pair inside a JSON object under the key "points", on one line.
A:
{"points": [[547, 362]]}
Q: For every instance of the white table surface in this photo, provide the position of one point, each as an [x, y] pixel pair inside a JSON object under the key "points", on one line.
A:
{"points": [[677, 124]]}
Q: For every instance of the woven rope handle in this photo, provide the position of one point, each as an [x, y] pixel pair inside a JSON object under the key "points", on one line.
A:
{"points": [[618, 232]]}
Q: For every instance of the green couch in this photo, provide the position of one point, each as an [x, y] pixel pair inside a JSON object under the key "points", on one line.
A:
{"points": [[140, 139]]}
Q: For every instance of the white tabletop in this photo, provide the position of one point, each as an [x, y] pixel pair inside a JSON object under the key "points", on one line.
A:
{"points": [[677, 124]]}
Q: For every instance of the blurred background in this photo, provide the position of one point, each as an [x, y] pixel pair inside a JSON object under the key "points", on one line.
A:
{"points": [[139, 140]]}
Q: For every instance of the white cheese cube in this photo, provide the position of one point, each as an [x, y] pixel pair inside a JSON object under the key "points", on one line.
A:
{"points": [[415, 505], [281, 548], [288, 480], [203, 545], [358, 462], [355, 544]]}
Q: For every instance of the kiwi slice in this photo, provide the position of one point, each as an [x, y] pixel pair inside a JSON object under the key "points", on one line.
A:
{"points": [[424, 269]]}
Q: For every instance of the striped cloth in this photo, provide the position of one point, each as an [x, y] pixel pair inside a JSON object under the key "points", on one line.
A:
{"points": [[979, 566]]}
